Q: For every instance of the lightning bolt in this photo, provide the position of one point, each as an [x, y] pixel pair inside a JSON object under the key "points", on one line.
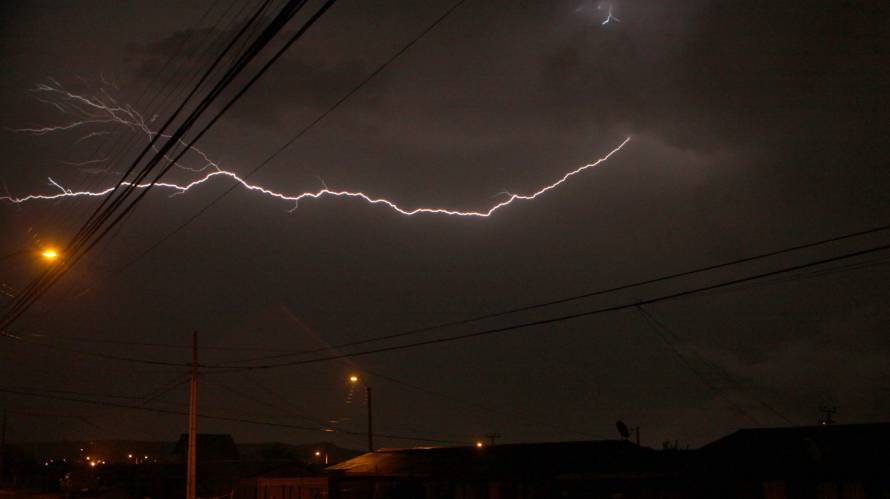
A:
{"points": [[97, 110], [101, 110], [609, 16]]}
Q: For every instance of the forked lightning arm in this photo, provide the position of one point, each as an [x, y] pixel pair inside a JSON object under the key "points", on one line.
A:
{"points": [[93, 110]]}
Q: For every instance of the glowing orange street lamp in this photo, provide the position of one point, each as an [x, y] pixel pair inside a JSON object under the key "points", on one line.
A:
{"points": [[47, 254], [50, 254]]}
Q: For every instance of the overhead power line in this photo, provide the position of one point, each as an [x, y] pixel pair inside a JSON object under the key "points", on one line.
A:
{"points": [[276, 25], [117, 148], [299, 134], [71, 392], [578, 297], [663, 331], [561, 318], [151, 344], [223, 418], [97, 355], [109, 203], [234, 366]]}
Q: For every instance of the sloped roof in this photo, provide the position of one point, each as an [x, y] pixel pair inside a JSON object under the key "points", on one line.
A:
{"points": [[549, 459], [838, 447]]}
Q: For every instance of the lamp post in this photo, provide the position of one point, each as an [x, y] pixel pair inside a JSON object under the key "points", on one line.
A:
{"points": [[354, 379]]}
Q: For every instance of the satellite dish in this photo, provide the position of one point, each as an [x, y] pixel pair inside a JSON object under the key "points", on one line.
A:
{"points": [[622, 429]]}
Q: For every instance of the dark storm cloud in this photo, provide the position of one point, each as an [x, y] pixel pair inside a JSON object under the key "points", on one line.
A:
{"points": [[311, 78], [712, 74], [437, 91], [703, 75]]}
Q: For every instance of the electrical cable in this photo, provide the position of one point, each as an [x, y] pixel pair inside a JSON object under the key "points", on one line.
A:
{"points": [[276, 25], [660, 328], [228, 367], [295, 137], [561, 318], [98, 214], [578, 297], [222, 418]]}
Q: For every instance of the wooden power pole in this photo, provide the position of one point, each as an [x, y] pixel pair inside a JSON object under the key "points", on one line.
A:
{"points": [[2, 444], [492, 437], [193, 422], [370, 421]]}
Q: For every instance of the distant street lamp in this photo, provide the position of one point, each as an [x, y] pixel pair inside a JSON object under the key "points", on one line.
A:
{"points": [[48, 254], [354, 379]]}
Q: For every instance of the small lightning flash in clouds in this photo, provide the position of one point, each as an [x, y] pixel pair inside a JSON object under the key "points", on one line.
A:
{"points": [[610, 17], [602, 8], [93, 110]]}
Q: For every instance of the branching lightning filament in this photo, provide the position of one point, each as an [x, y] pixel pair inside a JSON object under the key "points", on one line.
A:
{"points": [[94, 110], [607, 6]]}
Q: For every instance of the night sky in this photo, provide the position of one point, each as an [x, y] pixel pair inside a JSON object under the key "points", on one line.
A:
{"points": [[754, 126]]}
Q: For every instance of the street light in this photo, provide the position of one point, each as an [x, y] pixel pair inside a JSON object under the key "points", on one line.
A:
{"points": [[354, 379], [50, 254]]}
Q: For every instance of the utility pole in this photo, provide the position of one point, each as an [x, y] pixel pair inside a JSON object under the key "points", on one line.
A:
{"points": [[193, 421], [354, 380], [2, 444], [370, 421], [828, 411], [492, 437]]}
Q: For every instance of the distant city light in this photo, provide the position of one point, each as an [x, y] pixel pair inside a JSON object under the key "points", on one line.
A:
{"points": [[479, 445]]}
